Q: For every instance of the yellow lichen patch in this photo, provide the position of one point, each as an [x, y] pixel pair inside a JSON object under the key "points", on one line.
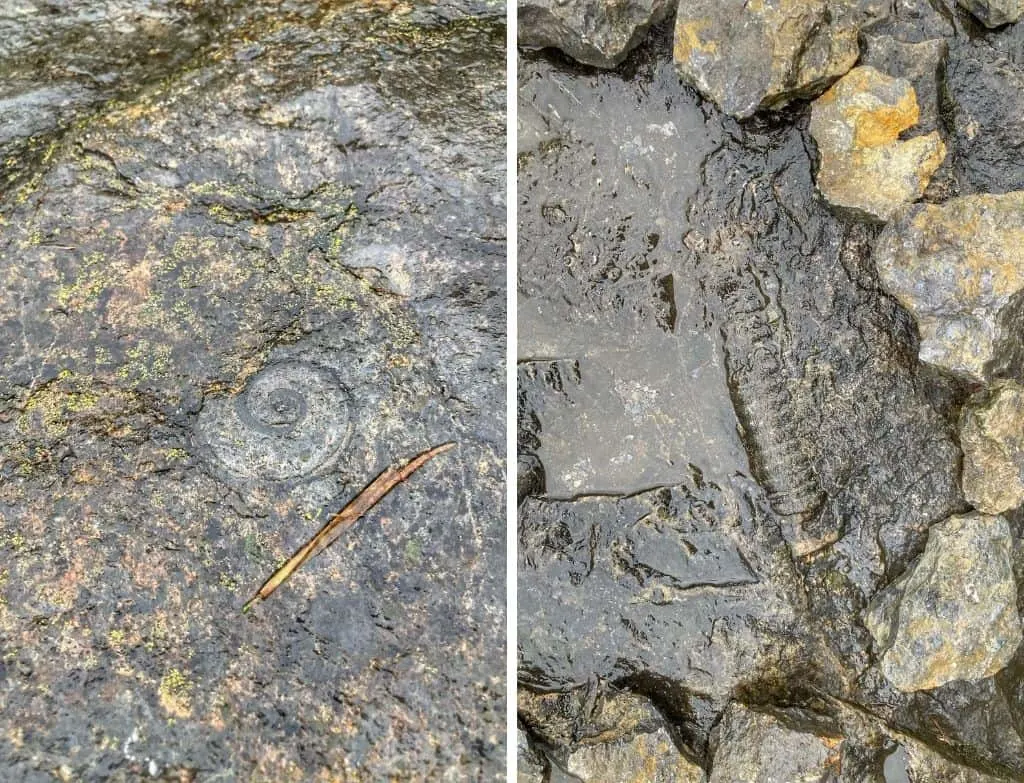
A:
{"points": [[883, 124], [688, 41], [94, 276], [116, 638], [175, 694]]}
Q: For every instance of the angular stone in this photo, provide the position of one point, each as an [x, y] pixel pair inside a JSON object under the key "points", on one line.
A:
{"points": [[864, 166], [922, 64], [587, 715], [530, 768], [955, 267], [748, 56], [649, 757], [756, 747], [953, 615], [994, 13], [595, 32], [992, 439]]}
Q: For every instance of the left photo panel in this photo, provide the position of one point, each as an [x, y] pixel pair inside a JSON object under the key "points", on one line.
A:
{"points": [[252, 390]]}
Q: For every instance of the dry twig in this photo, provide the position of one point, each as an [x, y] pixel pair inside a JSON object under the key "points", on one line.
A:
{"points": [[345, 518]]}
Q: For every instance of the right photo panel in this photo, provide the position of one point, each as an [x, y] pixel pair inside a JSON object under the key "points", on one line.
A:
{"points": [[770, 402]]}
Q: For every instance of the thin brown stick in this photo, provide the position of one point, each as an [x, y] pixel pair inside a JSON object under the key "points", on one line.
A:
{"points": [[345, 518]]}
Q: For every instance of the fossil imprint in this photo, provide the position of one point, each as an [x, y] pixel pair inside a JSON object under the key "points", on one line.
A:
{"points": [[759, 384], [290, 421]]}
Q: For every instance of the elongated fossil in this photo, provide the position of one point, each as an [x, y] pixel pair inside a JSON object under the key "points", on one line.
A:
{"points": [[758, 387]]}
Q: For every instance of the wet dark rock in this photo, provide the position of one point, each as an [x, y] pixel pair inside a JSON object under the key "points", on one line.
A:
{"points": [[530, 766], [692, 568], [984, 94], [953, 615], [821, 437], [994, 13], [229, 299], [810, 368], [529, 469], [912, 761], [760, 748], [956, 267], [601, 304], [595, 32], [752, 56], [992, 439], [650, 757]]}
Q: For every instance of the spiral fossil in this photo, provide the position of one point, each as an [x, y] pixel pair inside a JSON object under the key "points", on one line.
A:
{"points": [[290, 420]]}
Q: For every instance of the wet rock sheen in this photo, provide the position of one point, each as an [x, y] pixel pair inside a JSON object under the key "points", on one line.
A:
{"points": [[595, 32]]}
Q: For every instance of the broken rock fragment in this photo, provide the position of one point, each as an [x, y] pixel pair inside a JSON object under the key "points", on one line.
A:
{"points": [[864, 166], [955, 266], [760, 748], [953, 615], [748, 56], [595, 32], [994, 13], [992, 439], [649, 757]]}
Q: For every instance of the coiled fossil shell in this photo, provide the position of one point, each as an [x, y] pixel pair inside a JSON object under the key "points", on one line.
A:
{"points": [[290, 421]]}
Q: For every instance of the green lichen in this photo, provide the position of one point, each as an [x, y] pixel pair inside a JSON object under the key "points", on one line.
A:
{"points": [[175, 693], [54, 404], [413, 552]]}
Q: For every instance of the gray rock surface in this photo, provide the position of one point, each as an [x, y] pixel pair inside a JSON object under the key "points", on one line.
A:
{"points": [[595, 32], [529, 767], [864, 165], [649, 757], [956, 266], [760, 748], [912, 761], [994, 13], [228, 300], [752, 56], [992, 439], [953, 615], [641, 578]]}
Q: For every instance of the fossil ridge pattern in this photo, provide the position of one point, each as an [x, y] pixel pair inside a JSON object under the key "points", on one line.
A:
{"points": [[290, 421], [758, 386]]}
